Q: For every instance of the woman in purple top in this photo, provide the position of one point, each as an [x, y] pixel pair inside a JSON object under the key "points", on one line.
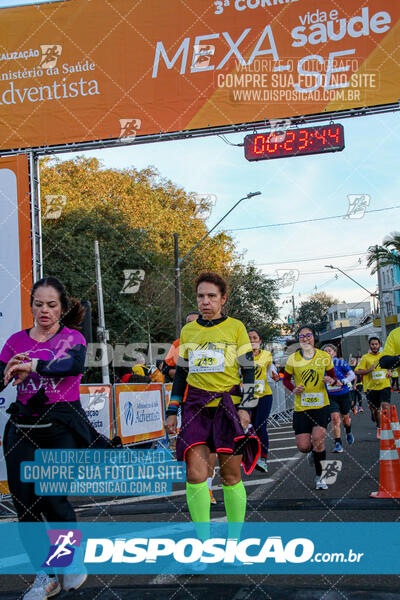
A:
{"points": [[46, 364]]}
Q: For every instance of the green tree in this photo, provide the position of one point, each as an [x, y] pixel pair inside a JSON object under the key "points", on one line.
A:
{"points": [[146, 200], [314, 311], [253, 300]]}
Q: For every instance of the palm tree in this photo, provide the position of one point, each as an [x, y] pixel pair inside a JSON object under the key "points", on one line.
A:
{"points": [[388, 254]]}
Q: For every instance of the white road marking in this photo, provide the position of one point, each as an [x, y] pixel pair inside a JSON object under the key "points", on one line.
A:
{"points": [[283, 448], [282, 459]]}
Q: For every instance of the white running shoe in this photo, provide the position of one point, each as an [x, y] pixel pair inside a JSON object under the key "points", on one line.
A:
{"points": [[73, 581], [262, 465], [320, 483], [43, 587]]}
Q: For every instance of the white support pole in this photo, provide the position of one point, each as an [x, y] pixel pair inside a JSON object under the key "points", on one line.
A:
{"points": [[36, 227], [102, 332]]}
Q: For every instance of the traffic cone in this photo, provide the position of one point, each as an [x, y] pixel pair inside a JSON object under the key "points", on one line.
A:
{"points": [[395, 425], [389, 467]]}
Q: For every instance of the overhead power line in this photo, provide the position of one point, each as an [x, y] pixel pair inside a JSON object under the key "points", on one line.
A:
{"points": [[310, 220], [285, 262]]}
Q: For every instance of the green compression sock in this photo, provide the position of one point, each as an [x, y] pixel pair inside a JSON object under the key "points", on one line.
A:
{"points": [[198, 500], [235, 502]]}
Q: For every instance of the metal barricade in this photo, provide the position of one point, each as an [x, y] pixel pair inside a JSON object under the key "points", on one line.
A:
{"points": [[282, 405]]}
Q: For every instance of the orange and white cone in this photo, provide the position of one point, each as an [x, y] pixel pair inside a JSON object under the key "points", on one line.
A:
{"points": [[395, 425], [389, 467]]}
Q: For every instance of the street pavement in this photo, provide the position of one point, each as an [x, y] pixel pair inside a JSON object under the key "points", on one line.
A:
{"points": [[285, 493]]}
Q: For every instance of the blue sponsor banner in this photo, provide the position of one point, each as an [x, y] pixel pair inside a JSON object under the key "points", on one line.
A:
{"points": [[219, 548], [103, 472]]}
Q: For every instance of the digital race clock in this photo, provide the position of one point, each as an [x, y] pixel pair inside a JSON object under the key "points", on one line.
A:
{"points": [[294, 142]]}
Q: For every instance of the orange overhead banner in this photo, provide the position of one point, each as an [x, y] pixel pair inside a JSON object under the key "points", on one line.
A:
{"points": [[80, 71]]}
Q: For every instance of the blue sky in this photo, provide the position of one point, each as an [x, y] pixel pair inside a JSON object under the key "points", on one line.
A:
{"points": [[293, 189]]}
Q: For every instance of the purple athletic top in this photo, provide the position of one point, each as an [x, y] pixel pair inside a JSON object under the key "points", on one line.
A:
{"points": [[59, 368]]}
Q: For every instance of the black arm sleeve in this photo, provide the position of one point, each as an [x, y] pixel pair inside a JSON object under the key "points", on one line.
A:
{"points": [[73, 363], [389, 362], [179, 384], [2, 369], [246, 362]]}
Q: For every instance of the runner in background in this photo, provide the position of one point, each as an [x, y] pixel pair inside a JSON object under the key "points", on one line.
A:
{"points": [[376, 381], [339, 398], [169, 369], [214, 356], [358, 394], [311, 369], [262, 391], [357, 390], [395, 380], [171, 360]]}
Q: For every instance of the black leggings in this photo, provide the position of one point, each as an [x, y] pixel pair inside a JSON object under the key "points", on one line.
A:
{"points": [[20, 445]]}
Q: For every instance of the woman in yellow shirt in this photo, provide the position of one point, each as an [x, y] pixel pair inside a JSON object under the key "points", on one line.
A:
{"points": [[311, 369], [262, 391], [214, 356]]}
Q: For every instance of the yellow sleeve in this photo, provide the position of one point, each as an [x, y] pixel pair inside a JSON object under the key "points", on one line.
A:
{"points": [[390, 345], [289, 366], [268, 360], [362, 364], [183, 345], [243, 341]]}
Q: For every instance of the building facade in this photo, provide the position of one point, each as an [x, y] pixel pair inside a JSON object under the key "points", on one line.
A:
{"points": [[347, 314]]}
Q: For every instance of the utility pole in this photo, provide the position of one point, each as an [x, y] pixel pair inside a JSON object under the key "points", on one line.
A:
{"points": [[294, 315], [102, 333], [178, 299], [381, 302]]}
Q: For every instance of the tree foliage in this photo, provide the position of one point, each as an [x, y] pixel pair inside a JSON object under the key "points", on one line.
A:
{"points": [[133, 214], [386, 255], [314, 311]]}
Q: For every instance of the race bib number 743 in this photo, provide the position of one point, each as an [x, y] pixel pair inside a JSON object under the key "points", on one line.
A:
{"points": [[207, 361]]}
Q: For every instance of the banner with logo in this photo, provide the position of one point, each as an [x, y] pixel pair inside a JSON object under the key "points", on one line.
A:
{"points": [[139, 412], [96, 401], [15, 268], [183, 548], [80, 71]]}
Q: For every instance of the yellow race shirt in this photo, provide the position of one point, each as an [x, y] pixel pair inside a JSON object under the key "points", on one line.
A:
{"points": [[310, 373], [211, 354], [261, 364], [377, 379], [392, 346]]}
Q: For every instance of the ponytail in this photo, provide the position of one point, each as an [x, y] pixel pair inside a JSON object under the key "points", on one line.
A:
{"points": [[74, 315]]}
